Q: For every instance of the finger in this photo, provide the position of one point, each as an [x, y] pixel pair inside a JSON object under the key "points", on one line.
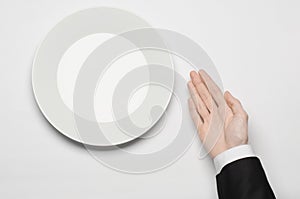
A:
{"points": [[194, 114], [213, 88], [202, 90], [195, 77], [235, 105], [200, 106]]}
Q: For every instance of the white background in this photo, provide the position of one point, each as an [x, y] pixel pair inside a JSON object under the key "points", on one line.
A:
{"points": [[255, 46]]}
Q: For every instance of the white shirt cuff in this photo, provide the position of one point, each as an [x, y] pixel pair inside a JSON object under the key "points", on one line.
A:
{"points": [[231, 155]]}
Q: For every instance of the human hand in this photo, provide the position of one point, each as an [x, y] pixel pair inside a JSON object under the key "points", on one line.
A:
{"points": [[221, 121]]}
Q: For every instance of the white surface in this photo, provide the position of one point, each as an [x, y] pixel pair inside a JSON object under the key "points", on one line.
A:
{"points": [[71, 63], [255, 46]]}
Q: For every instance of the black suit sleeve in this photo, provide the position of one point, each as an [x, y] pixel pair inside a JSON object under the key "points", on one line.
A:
{"points": [[244, 179]]}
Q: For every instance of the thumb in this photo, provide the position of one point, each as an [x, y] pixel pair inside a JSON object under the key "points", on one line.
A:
{"points": [[234, 104]]}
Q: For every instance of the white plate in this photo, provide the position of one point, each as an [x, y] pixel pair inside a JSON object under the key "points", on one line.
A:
{"points": [[52, 102]]}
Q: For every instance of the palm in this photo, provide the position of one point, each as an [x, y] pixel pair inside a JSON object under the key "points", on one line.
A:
{"points": [[236, 131]]}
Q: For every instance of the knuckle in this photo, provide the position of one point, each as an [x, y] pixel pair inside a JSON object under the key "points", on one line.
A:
{"points": [[238, 102], [245, 115], [198, 108], [205, 115]]}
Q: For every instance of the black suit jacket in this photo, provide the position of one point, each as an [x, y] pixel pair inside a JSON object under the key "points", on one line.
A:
{"points": [[244, 179]]}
